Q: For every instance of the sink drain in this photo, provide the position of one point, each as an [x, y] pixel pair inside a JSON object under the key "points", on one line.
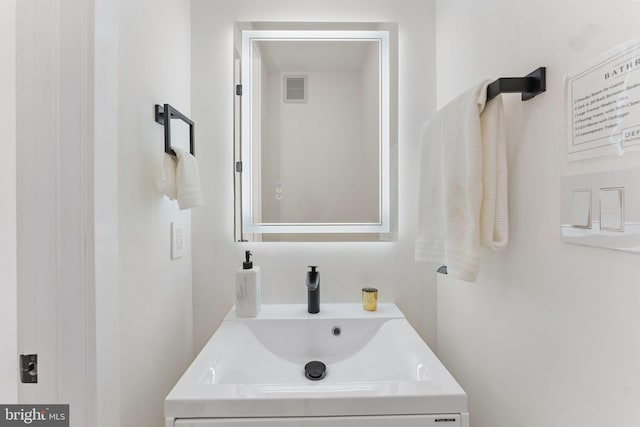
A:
{"points": [[315, 370]]}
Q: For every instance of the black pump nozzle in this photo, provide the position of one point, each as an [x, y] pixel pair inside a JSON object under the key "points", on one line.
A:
{"points": [[247, 265]]}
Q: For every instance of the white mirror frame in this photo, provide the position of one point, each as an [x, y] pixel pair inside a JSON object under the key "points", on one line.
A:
{"points": [[248, 37]]}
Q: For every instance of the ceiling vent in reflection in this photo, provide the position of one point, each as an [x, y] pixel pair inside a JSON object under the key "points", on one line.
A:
{"points": [[295, 88]]}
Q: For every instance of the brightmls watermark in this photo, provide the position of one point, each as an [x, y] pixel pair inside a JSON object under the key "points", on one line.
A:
{"points": [[34, 415]]}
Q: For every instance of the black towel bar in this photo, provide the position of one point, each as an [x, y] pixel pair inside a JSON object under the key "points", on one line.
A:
{"points": [[531, 85], [161, 113]]}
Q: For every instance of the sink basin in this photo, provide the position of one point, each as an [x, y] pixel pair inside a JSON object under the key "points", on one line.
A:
{"points": [[376, 364]]}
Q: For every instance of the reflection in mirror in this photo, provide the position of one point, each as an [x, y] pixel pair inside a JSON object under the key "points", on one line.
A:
{"points": [[315, 133], [322, 117]]}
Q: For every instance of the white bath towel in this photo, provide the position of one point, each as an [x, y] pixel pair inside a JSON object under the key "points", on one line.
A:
{"points": [[187, 180], [167, 185], [463, 184]]}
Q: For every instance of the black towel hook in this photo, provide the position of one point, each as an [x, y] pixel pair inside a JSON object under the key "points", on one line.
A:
{"points": [[531, 85], [161, 113]]}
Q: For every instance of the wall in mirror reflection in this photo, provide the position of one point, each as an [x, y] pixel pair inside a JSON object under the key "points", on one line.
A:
{"points": [[319, 151]]}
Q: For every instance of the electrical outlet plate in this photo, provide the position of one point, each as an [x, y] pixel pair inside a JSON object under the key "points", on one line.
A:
{"points": [[177, 239]]}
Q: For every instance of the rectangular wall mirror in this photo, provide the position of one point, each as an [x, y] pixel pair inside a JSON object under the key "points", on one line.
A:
{"points": [[314, 133]]}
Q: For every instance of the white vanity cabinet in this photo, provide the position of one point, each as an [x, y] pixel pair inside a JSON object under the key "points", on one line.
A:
{"points": [[441, 420]]}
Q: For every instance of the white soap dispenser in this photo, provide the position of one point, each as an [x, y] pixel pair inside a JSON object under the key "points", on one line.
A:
{"points": [[248, 289]]}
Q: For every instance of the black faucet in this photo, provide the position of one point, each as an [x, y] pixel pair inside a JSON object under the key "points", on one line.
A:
{"points": [[313, 290]]}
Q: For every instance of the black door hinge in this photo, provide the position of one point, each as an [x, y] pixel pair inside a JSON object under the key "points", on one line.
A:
{"points": [[239, 90]]}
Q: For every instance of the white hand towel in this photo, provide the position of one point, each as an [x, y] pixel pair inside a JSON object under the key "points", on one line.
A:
{"points": [[462, 197], [167, 185], [187, 180], [494, 214]]}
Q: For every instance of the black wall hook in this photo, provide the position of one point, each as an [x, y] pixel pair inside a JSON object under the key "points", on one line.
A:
{"points": [[531, 85], [161, 114]]}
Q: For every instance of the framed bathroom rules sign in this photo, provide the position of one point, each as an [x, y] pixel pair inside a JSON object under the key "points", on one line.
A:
{"points": [[603, 105]]}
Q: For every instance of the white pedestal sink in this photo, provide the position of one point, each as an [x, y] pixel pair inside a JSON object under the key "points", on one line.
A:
{"points": [[379, 372]]}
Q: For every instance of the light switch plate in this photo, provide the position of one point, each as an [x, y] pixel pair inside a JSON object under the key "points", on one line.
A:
{"points": [[615, 209], [177, 239]]}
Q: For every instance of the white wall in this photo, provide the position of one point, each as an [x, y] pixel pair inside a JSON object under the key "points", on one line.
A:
{"points": [[548, 335], [8, 290], [370, 122], [271, 156], [345, 267], [154, 291]]}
